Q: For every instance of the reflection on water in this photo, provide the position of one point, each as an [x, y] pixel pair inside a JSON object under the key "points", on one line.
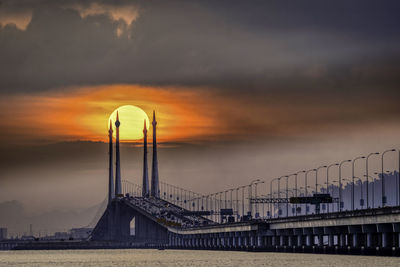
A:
{"points": [[150, 257]]}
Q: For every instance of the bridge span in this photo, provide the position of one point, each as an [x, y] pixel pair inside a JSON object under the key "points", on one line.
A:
{"points": [[163, 224]]}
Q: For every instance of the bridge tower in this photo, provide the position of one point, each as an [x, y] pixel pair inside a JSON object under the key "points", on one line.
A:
{"points": [[111, 194], [118, 191], [154, 170], [145, 186]]}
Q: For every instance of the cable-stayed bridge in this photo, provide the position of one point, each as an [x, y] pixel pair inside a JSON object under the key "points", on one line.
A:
{"points": [[315, 210], [280, 215]]}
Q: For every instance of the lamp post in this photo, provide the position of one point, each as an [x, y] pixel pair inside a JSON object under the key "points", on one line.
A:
{"points": [[243, 187], [295, 184], [327, 182], [250, 194], [340, 182], [352, 180], [255, 194], [226, 191], [361, 190], [333, 186], [383, 177], [287, 197], [305, 185], [231, 205], [366, 174], [237, 202], [270, 191], [361, 193], [316, 177]]}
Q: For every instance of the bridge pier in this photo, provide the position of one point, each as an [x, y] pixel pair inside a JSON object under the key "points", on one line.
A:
{"points": [[385, 230]]}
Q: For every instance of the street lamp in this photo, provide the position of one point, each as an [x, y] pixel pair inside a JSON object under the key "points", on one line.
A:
{"points": [[327, 181], [305, 185], [352, 180], [287, 196], [361, 193], [366, 174], [383, 177], [316, 177], [295, 183], [250, 193], [255, 194], [270, 191], [243, 187], [340, 182]]}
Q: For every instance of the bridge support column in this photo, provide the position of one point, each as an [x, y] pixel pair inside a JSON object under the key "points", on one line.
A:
{"points": [[355, 241], [298, 236], [299, 240], [309, 236], [281, 240], [369, 230], [342, 240], [330, 240], [319, 233], [398, 239], [309, 240], [384, 240], [369, 240], [320, 240], [260, 241], [385, 229]]}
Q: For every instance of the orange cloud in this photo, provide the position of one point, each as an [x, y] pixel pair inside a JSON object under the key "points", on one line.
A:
{"points": [[83, 114], [186, 114]]}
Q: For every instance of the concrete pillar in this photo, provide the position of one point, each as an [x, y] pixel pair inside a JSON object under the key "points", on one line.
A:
{"points": [[330, 240], [398, 243], [369, 240], [342, 240], [308, 240], [320, 240], [281, 241], [290, 239], [384, 240], [299, 240], [273, 239], [355, 241], [259, 241]]}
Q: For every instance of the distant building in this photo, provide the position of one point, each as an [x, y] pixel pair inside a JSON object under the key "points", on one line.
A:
{"points": [[80, 233], [27, 237], [3, 233], [61, 235]]}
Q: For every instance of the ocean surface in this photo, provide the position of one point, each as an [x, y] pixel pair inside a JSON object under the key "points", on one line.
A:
{"points": [[149, 257]]}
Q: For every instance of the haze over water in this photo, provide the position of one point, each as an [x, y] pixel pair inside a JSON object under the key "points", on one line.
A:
{"points": [[149, 257]]}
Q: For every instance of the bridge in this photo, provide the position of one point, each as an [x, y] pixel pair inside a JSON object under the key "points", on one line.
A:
{"points": [[160, 223], [359, 214], [359, 218]]}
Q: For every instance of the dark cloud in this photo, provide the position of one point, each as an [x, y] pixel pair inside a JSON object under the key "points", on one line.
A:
{"points": [[231, 44]]}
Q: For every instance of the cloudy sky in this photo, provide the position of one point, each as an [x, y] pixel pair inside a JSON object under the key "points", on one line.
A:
{"points": [[242, 90]]}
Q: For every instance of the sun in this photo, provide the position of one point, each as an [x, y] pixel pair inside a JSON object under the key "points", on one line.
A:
{"points": [[132, 122]]}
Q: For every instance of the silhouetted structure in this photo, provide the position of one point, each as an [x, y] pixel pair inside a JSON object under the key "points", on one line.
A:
{"points": [[118, 191], [111, 194], [145, 186], [155, 192]]}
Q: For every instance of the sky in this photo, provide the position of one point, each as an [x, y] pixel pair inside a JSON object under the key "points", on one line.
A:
{"points": [[241, 90]]}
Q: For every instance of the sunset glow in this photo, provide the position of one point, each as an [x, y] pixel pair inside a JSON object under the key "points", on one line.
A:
{"points": [[83, 114], [132, 122]]}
